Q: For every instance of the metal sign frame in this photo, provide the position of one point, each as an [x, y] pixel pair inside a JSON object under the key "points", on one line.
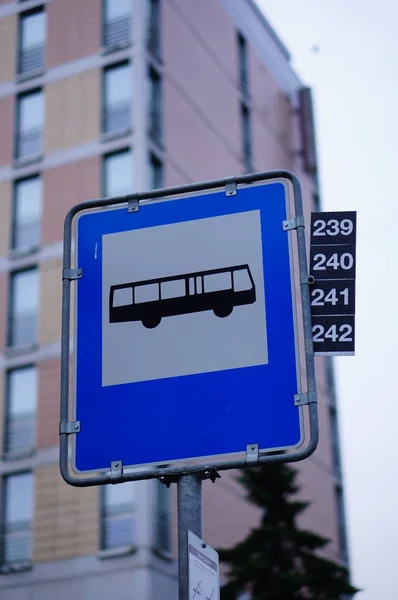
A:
{"points": [[305, 397]]}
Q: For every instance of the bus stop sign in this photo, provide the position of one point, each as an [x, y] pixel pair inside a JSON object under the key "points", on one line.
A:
{"points": [[186, 335]]}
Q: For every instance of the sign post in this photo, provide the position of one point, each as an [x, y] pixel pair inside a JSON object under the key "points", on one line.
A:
{"points": [[187, 336]]}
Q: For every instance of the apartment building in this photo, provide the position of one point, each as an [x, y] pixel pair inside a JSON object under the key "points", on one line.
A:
{"points": [[101, 98]]}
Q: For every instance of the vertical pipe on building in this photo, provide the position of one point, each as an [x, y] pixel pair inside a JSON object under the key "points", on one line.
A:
{"points": [[189, 506]]}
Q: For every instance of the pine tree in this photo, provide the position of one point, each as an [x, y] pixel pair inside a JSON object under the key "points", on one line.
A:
{"points": [[278, 560]]}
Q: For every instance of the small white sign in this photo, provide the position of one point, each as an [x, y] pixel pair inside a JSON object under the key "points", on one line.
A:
{"points": [[203, 570]]}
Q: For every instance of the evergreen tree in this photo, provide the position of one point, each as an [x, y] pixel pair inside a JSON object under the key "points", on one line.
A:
{"points": [[278, 560]]}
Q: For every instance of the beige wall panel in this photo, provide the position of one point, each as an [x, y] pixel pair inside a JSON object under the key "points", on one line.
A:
{"points": [[48, 403], [8, 38], [72, 111], [5, 217], [74, 30], [50, 302], [7, 129], [66, 518], [63, 188]]}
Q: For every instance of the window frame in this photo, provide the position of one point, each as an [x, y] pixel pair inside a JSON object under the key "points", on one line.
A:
{"points": [[11, 311], [105, 157], [17, 127], [28, 451], [128, 128], [104, 24], [32, 72], [103, 548], [25, 564], [19, 250]]}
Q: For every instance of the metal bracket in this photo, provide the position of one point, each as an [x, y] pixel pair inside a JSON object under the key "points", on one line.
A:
{"points": [[133, 206], [303, 399], [70, 427], [307, 279], [252, 454], [72, 274], [230, 187], [290, 224], [116, 471]]}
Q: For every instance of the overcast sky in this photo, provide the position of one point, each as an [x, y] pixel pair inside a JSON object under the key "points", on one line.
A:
{"points": [[348, 51]]}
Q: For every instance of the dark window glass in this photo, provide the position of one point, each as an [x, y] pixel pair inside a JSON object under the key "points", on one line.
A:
{"points": [[242, 58], [117, 98], [27, 212], [32, 32], [246, 137], [20, 419], [24, 304], [118, 173], [162, 517], [154, 27], [30, 124], [155, 106], [341, 524], [155, 173], [17, 517], [334, 432], [118, 515], [117, 22]]}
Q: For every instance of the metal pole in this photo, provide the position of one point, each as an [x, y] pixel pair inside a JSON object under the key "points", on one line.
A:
{"points": [[189, 505]]}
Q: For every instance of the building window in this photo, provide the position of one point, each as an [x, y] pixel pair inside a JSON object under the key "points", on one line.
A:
{"points": [[118, 515], [334, 434], [27, 213], [162, 517], [32, 33], [118, 173], [117, 98], [242, 60], [24, 303], [155, 173], [20, 421], [30, 120], [16, 523], [342, 535], [155, 106], [246, 137], [154, 27], [117, 23]]}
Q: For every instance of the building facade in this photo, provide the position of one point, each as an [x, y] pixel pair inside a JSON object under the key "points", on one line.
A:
{"points": [[101, 98]]}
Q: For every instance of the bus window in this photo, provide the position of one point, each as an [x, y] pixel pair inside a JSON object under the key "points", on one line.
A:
{"points": [[191, 286], [199, 285], [242, 280], [172, 289], [217, 282], [122, 296], [146, 293]]}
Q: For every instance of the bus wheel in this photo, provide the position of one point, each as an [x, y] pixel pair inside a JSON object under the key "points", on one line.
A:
{"points": [[151, 322], [223, 311]]}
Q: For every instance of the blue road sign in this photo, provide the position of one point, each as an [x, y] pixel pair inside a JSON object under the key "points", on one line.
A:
{"points": [[185, 340]]}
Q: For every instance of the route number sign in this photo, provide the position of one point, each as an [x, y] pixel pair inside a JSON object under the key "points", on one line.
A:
{"points": [[333, 268]]}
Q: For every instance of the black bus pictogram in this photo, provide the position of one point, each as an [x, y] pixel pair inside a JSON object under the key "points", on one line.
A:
{"points": [[217, 290]]}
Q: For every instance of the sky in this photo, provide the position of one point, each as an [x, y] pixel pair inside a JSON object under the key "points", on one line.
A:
{"points": [[347, 50]]}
